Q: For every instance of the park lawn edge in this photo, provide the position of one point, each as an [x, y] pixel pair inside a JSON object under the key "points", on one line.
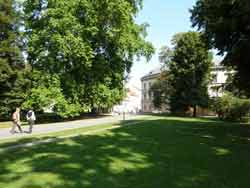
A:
{"points": [[6, 143]]}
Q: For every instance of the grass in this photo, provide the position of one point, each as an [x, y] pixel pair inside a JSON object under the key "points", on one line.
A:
{"points": [[8, 124], [71, 132], [161, 152]]}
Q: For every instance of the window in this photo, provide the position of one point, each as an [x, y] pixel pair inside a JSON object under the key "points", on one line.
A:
{"points": [[145, 96], [149, 85], [145, 86], [150, 95], [214, 78]]}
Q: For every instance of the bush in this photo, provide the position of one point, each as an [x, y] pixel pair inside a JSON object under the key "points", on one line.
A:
{"points": [[47, 94], [48, 118], [231, 108]]}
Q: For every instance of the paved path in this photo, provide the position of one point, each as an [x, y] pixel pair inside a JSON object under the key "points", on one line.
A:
{"points": [[57, 127]]}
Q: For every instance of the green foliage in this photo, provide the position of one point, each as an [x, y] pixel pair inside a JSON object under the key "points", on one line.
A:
{"points": [[161, 90], [157, 93], [231, 108], [189, 72], [46, 93], [225, 24], [14, 81], [90, 45]]}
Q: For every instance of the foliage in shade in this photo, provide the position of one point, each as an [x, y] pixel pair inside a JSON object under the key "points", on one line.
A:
{"points": [[229, 107], [161, 90], [226, 26], [13, 77]]}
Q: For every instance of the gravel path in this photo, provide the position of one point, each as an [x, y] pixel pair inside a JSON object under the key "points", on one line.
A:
{"points": [[57, 127]]}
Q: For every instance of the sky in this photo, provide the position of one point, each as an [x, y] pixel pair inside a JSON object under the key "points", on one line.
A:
{"points": [[166, 18]]}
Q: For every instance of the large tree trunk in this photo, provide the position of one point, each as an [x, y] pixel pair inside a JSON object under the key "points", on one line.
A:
{"points": [[194, 111]]}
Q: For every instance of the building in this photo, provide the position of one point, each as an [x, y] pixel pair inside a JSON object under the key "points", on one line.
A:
{"points": [[147, 96], [215, 89], [132, 103], [219, 78]]}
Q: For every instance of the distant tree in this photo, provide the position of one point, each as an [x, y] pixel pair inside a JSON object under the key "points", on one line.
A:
{"points": [[226, 26], [189, 72], [13, 78], [157, 91], [161, 90]]}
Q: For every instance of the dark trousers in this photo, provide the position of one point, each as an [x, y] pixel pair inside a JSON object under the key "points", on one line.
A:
{"points": [[31, 123], [15, 124]]}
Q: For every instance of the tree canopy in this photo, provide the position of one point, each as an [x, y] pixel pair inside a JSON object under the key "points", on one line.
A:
{"points": [[189, 64], [13, 82], [78, 53], [226, 27], [89, 45]]}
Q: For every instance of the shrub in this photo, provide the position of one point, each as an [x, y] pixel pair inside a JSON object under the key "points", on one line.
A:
{"points": [[47, 94], [231, 108]]}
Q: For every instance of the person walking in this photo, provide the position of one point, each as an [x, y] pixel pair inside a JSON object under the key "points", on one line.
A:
{"points": [[31, 118], [16, 121]]}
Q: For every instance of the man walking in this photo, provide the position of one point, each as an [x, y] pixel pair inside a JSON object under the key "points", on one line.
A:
{"points": [[16, 121], [31, 118]]}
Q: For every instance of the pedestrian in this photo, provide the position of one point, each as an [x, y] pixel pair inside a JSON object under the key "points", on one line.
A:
{"points": [[31, 118], [16, 121]]}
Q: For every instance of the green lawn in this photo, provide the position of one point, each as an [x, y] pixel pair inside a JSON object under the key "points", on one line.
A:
{"points": [[167, 152], [8, 124]]}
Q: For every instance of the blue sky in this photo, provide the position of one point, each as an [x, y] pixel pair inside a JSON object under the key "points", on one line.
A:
{"points": [[166, 18]]}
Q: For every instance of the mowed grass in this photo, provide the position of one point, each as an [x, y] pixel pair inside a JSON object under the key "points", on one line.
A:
{"points": [[161, 152], [8, 124]]}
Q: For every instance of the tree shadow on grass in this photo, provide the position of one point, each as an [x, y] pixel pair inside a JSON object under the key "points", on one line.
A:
{"points": [[168, 152]]}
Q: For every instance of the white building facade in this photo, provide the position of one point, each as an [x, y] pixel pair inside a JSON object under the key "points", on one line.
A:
{"points": [[219, 78], [132, 102], [147, 81], [215, 89]]}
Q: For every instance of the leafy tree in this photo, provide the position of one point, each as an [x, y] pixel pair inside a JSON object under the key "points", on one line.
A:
{"points": [[226, 26], [46, 93], [88, 44], [230, 107], [13, 81], [161, 89], [189, 72], [157, 94]]}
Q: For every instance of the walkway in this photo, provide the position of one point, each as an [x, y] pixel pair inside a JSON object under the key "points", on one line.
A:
{"points": [[62, 126]]}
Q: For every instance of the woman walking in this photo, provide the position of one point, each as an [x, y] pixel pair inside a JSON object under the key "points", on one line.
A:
{"points": [[16, 121]]}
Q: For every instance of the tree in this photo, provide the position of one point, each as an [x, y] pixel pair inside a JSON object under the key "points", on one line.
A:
{"points": [[189, 72], [13, 81], [230, 107], [88, 44], [46, 93], [161, 89], [226, 26]]}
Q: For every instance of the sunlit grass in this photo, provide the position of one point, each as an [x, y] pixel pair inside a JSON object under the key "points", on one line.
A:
{"points": [[166, 152]]}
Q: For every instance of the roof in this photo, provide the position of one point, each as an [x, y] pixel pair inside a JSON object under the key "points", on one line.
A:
{"points": [[152, 73]]}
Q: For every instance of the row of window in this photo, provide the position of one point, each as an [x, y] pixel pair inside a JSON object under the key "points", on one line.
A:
{"points": [[147, 108], [148, 95], [147, 86], [215, 76]]}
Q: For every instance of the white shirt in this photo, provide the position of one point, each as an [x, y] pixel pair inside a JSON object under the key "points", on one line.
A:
{"points": [[32, 117]]}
